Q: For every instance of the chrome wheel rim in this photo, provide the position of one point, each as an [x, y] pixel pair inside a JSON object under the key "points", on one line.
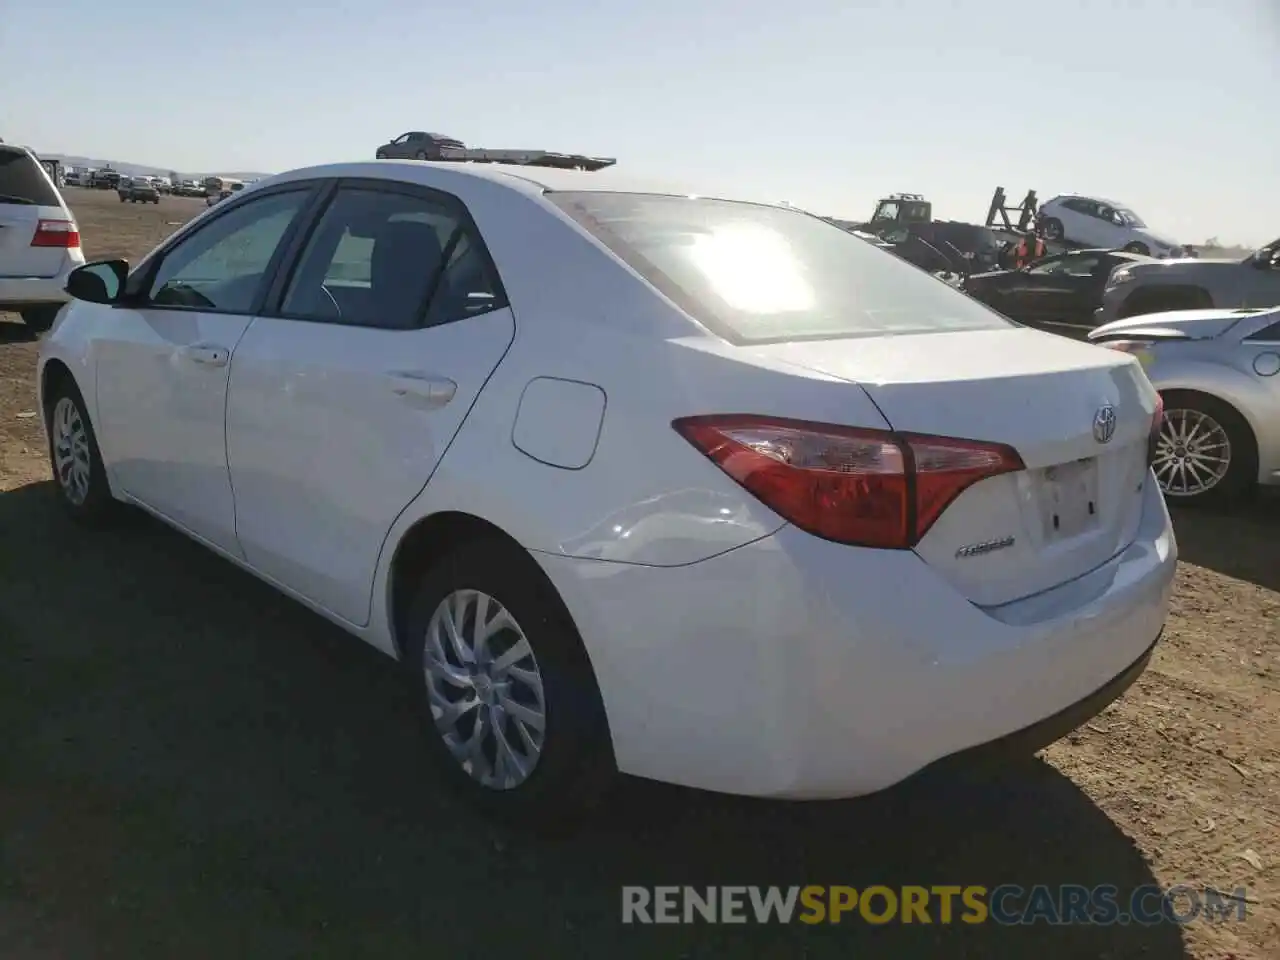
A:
{"points": [[71, 458], [485, 689], [1193, 453]]}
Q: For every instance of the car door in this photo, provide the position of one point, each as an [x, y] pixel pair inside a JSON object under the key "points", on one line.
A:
{"points": [[1023, 294], [348, 389], [1108, 232], [163, 355], [1069, 290]]}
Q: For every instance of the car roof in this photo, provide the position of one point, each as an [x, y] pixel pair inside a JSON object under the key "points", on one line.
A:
{"points": [[526, 179], [1088, 196]]}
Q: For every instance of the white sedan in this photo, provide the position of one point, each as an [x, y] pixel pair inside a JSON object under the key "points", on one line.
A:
{"points": [[702, 490]]}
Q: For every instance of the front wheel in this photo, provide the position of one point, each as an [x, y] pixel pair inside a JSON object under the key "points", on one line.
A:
{"points": [[507, 696], [1052, 228], [78, 470], [1139, 248], [1205, 453]]}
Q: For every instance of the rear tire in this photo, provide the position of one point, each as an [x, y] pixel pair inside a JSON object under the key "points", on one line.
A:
{"points": [[420, 155], [1218, 465], [41, 318], [79, 475], [483, 693], [1139, 248], [1052, 228]]}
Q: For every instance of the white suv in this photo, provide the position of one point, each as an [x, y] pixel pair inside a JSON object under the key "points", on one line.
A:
{"points": [[39, 239]]}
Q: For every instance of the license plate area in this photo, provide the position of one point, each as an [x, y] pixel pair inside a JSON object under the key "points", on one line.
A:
{"points": [[1069, 499]]}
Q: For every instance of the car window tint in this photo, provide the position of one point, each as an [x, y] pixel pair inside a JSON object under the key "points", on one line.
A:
{"points": [[1070, 266], [22, 181], [468, 286], [755, 273], [375, 257], [222, 265], [1269, 334]]}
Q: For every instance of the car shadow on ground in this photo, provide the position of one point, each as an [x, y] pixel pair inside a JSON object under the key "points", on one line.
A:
{"points": [[198, 767], [1241, 541], [15, 331]]}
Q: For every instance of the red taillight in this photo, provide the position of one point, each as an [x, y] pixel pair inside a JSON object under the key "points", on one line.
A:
{"points": [[56, 233], [872, 488], [1157, 421]]}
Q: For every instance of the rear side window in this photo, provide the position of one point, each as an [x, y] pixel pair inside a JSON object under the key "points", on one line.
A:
{"points": [[758, 274], [23, 181]]}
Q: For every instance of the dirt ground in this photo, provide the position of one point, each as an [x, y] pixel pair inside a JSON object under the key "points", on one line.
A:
{"points": [[194, 766]]}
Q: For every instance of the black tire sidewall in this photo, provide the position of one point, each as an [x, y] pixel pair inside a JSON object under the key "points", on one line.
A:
{"points": [[1053, 229], [1241, 473], [98, 504], [576, 762]]}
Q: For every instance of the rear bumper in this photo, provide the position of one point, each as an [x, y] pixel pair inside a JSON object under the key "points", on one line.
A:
{"points": [[1024, 742], [796, 668], [36, 291]]}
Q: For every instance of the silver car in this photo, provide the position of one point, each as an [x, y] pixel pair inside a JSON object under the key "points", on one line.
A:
{"points": [[1218, 372]]}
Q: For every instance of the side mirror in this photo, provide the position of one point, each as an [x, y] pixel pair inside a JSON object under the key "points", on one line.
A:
{"points": [[98, 282]]}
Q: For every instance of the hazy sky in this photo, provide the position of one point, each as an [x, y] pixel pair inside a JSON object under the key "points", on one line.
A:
{"points": [[1169, 106]]}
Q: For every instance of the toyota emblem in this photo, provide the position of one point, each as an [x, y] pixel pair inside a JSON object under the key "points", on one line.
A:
{"points": [[1104, 423]]}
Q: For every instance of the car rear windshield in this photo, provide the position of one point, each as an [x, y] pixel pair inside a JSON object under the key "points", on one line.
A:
{"points": [[759, 274], [23, 181]]}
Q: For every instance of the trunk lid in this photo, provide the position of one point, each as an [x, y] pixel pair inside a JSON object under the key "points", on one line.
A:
{"points": [[1079, 500]]}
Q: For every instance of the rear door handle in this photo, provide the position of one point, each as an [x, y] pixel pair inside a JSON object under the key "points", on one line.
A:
{"points": [[206, 354], [422, 389]]}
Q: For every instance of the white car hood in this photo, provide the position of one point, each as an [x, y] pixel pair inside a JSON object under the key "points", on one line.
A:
{"points": [[1195, 324]]}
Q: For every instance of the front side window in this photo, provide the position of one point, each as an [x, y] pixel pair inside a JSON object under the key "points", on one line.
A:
{"points": [[1068, 267], [377, 255], [222, 265], [760, 274], [1130, 219], [887, 211]]}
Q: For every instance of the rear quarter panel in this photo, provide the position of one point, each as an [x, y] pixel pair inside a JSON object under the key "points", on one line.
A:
{"points": [[646, 496]]}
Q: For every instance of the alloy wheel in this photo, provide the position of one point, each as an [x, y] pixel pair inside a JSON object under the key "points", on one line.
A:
{"points": [[1193, 453], [71, 458], [485, 689]]}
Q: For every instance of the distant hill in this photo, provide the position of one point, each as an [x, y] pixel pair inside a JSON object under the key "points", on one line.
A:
{"points": [[140, 170]]}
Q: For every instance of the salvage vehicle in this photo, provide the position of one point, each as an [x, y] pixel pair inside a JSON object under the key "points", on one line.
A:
{"points": [[1192, 284], [790, 519], [1064, 287], [1094, 222], [418, 145], [1218, 372], [906, 222]]}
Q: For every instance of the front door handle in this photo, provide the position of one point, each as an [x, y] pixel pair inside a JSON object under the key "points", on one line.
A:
{"points": [[206, 354], [423, 389]]}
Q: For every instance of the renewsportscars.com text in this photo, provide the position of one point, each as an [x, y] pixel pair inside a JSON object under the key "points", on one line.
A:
{"points": [[1007, 904]]}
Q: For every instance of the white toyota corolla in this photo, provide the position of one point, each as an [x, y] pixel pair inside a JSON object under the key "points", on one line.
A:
{"points": [[701, 490]]}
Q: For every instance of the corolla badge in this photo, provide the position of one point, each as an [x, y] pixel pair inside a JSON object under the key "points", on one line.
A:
{"points": [[1104, 423]]}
